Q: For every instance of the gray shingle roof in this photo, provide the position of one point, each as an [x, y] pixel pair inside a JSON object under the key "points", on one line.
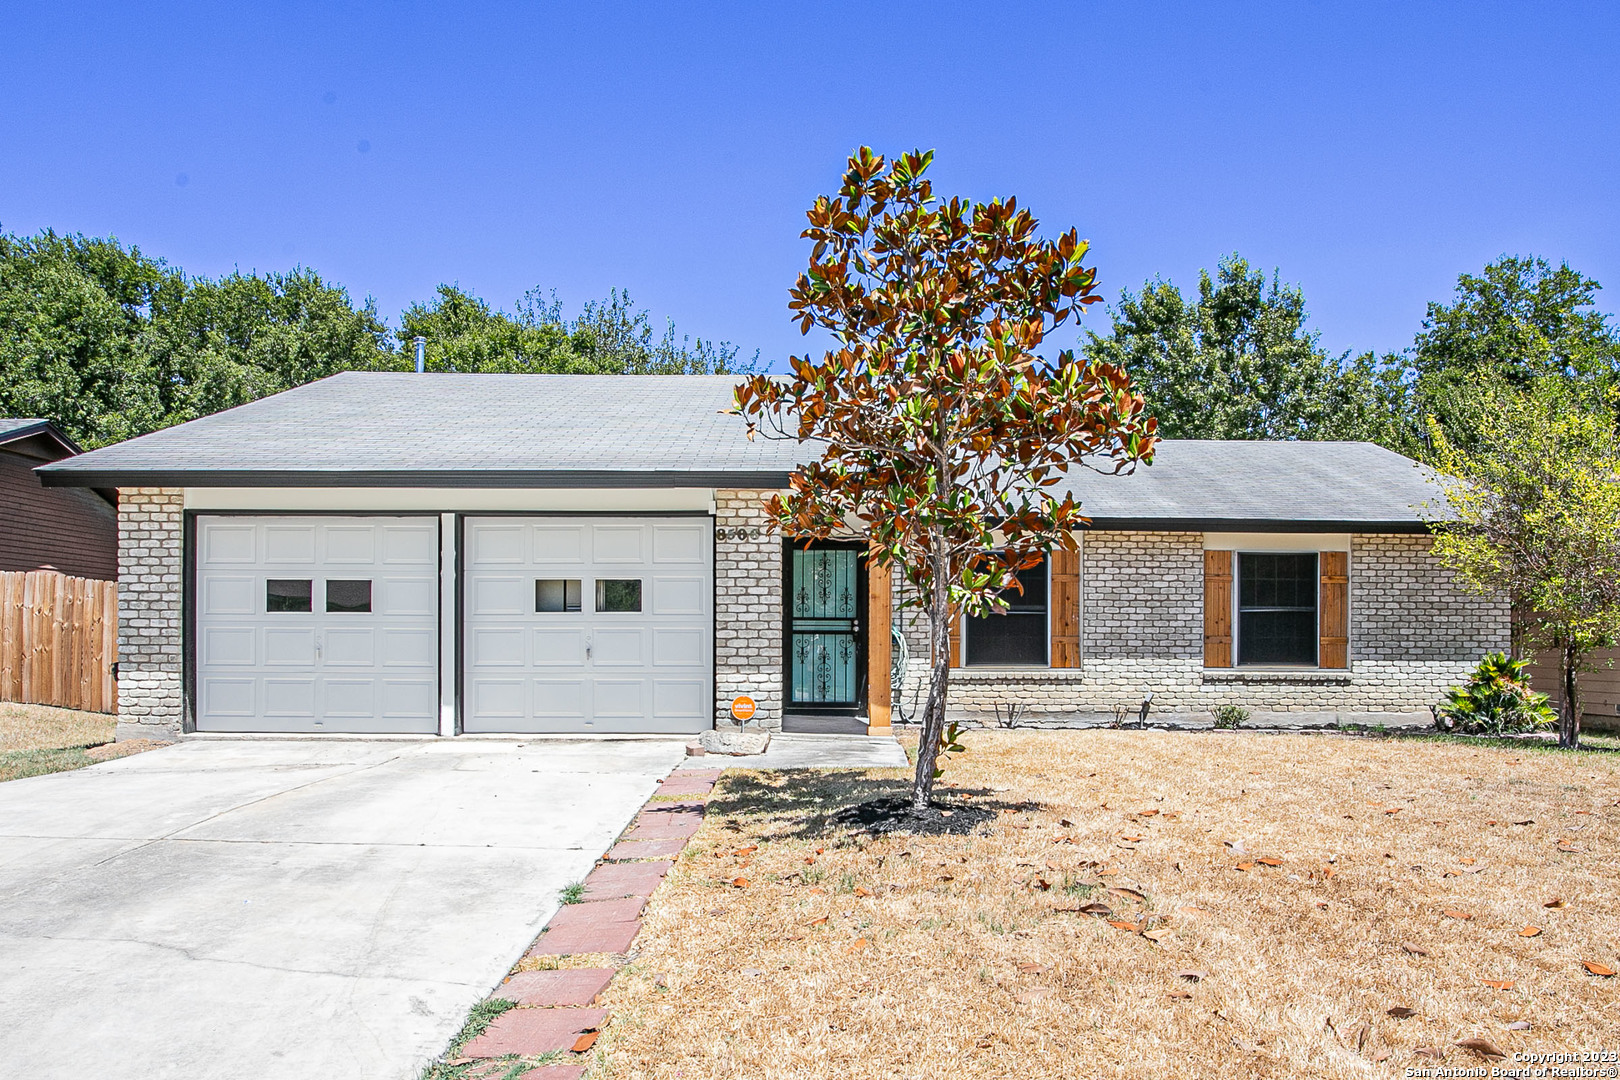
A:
{"points": [[441, 430], [14, 428]]}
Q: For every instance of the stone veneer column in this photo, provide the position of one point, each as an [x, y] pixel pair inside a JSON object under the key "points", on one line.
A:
{"points": [[150, 555], [748, 607]]}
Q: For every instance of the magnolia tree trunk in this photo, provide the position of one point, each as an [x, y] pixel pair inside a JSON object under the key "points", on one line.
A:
{"points": [[1569, 716], [939, 676]]}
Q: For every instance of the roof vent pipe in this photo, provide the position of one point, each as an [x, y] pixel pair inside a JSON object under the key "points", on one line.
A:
{"points": [[421, 353]]}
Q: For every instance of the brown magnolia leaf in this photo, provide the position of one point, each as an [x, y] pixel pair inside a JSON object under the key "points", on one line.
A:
{"points": [[1065, 823], [1245, 866], [1394, 809], [1526, 821], [1400, 1012], [1179, 994], [1120, 924], [817, 921], [1146, 813], [1414, 950], [1095, 908], [1555, 903], [1568, 848], [1041, 884], [1530, 931], [1596, 968], [739, 882], [1483, 1047], [1463, 915], [860, 891], [1120, 890], [1110, 872], [946, 877], [585, 1041], [1032, 968], [1158, 935], [1269, 860], [860, 943], [1381, 1054], [809, 860], [1466, 861], [749, 850], [1498, 984], [1132, 839], [1193, 975]]}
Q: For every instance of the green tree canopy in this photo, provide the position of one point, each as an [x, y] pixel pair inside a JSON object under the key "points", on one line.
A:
{"points": [[111, 343], [1237, 362], [1519, 322]]}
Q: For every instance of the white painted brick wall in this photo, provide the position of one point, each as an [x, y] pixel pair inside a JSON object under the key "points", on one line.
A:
{"points": [[748, 607], [150, 570], [1414, 631]]}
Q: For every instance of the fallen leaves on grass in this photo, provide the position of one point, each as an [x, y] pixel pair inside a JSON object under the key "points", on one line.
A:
{"points": [[1452, 913], [1400, 1012], [1530, 931], [1413, 950], [1554, 903], [1603, 970], [585, 1041], [1483, 1047], [1497, 984]]}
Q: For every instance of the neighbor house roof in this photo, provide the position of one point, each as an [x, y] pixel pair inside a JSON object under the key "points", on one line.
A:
{"points": [[15, 429], [389, 429]]}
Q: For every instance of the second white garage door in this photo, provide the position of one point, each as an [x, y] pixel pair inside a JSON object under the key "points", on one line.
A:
{"points": [[595, 625]]}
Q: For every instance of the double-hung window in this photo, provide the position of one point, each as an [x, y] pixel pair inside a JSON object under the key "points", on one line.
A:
{"points": [[1019, 636], [1277, 608]]}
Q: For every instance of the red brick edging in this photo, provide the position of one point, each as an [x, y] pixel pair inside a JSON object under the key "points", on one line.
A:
{"points": [[555, 1008]]}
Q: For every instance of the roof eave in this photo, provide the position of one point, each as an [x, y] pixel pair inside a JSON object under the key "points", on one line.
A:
{"points": [[1100, 523], [392, 478]]}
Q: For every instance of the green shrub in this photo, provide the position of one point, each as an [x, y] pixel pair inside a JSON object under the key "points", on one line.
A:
{"points": [[1497, 700], [1231, 716]]}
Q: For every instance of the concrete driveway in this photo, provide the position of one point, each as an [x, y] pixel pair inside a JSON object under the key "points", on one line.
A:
{"points": [[268, 909]]}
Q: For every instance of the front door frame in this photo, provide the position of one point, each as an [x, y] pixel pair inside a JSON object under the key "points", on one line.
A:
{"points": [[859, 706]]}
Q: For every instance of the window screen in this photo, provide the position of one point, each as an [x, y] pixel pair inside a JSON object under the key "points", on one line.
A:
{"points": [[287, 594], [348, 596], [622, 594], [556, 594], [1277, 608], [1019, 636]]}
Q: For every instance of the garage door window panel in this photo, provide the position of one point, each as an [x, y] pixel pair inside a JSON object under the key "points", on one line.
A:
{"points": [[557, 595], [288, 594], [618, 595], [348, 596]]}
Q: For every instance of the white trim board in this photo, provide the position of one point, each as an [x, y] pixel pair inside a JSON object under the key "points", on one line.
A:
{"points": [[1276, 541], [441, 500]]}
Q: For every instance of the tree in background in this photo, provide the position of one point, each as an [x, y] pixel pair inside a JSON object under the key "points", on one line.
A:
{"points": [[1520, 322], [1237, 362], [111, 343], [943, 432], [1537, 502]]}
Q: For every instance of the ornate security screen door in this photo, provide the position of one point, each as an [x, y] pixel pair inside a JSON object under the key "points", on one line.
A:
{"points": [[824, 626]]}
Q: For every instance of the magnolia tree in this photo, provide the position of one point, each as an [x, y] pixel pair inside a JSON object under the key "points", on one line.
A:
{"points": [[1537, 519], [944, 434]]}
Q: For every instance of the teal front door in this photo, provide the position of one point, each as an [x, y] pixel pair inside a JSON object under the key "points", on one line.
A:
{"points": [[825, 657]]}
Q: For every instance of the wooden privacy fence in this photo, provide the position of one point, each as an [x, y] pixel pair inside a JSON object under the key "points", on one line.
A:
{"points": [[58, 640]]}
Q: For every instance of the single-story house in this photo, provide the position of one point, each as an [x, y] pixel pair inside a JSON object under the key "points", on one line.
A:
{"points": [[394, 552], [71, 530]]}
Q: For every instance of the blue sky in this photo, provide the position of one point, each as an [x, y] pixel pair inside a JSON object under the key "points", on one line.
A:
{"points": [[1371, 152]]}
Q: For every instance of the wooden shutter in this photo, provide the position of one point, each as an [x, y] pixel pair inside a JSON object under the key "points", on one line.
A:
{"points": [[879, 647], [1333, 650], [1217, 609], [1064, 601]]}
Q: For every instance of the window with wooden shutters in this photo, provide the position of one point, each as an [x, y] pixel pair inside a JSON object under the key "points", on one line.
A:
{"points": [[1217, 609], [1016, 637], [1335, 630]]}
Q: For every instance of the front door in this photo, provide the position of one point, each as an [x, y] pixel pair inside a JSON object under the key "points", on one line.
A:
{"points": [[825, 646]]}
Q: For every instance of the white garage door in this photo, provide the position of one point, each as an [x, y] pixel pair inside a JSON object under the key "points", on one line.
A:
{"points": [[588, 624], [317, 624]]}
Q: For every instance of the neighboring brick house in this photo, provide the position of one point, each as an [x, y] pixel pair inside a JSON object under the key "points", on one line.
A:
{"points": [[73, 530], [387, 552]]}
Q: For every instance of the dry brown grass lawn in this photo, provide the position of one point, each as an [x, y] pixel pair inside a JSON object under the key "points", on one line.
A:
{"points": [[41, 727], [847, 956]]}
